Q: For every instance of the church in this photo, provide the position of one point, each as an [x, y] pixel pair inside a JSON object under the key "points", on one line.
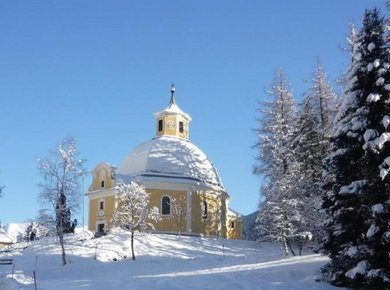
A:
{"points": [[176, 174]]}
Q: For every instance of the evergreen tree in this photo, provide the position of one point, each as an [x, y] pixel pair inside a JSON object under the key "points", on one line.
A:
{"points": [[307, 142], [357, 204], [323, 100], [311, 146], [279, 217]]}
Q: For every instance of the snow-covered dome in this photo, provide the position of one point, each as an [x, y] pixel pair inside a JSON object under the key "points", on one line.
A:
{"points": [[170, 159]]}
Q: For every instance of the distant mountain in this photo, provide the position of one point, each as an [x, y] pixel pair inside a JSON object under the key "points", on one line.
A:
{"points": [[248, 228]]}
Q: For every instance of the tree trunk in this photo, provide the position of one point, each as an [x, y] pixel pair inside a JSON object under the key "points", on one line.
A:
{"points": [[285, 246], [60, 233], [290, 247], [132, 246], [63, 254]]}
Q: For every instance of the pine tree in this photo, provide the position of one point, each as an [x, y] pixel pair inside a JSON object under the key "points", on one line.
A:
{"points": [[279, 217], [357, 204]]}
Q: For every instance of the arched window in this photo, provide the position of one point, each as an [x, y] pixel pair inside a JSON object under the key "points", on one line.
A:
{"points": [[166, 205], [204, 209]]}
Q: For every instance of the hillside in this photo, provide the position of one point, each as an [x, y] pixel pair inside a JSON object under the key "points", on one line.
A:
{"points": [[163, 262]]}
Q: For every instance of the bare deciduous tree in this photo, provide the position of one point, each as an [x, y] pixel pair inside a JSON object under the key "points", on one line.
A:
{"points": [[62, 172], [178, 212]]}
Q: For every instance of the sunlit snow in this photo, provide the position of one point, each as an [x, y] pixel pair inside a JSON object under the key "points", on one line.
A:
{"points": [[163, 262]]}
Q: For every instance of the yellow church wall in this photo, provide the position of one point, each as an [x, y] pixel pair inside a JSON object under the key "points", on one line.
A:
{"points": [[234, 230], [101, 173], [170, 125], [208, 225], [105, 216], [169, 223]]}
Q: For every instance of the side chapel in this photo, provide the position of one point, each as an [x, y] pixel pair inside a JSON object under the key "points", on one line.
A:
{"points": [[172, 170]]}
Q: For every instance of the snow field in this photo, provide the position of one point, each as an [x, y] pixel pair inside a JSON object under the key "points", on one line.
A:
{"points": [[162, 262]]}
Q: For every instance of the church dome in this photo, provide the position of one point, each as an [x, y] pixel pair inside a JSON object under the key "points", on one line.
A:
{"points": [[170, 159]]}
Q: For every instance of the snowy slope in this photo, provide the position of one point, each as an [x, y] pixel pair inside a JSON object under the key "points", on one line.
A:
{"points": [[163, 262], [4, 237], [15, 229]]}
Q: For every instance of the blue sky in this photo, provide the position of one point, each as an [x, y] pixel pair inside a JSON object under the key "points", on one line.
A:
{"points": [[98, 70]]}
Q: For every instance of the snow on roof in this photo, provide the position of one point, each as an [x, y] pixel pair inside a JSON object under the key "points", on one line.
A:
{"points": [[170, 159], [173, 109], [233, 213], [4, 238]]}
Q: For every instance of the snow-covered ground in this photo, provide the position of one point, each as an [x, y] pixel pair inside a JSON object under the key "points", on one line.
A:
{"points": [[162, 262]]}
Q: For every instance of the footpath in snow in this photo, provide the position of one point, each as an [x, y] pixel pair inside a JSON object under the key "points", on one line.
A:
{"points": [[162, 262]]}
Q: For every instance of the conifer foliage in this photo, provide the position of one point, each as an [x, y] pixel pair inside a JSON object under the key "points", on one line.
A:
{"points": [[357, 202], [279, 218], [311, 144]]}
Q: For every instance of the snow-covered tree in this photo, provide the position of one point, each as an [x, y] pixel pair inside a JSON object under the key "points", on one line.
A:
{"points": [[308, 157], [311, 146], [133, 213], [45, 223], [323, 100], [178, 206], [60, 189], [276, 128], [280, 216], [357, 203]]}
